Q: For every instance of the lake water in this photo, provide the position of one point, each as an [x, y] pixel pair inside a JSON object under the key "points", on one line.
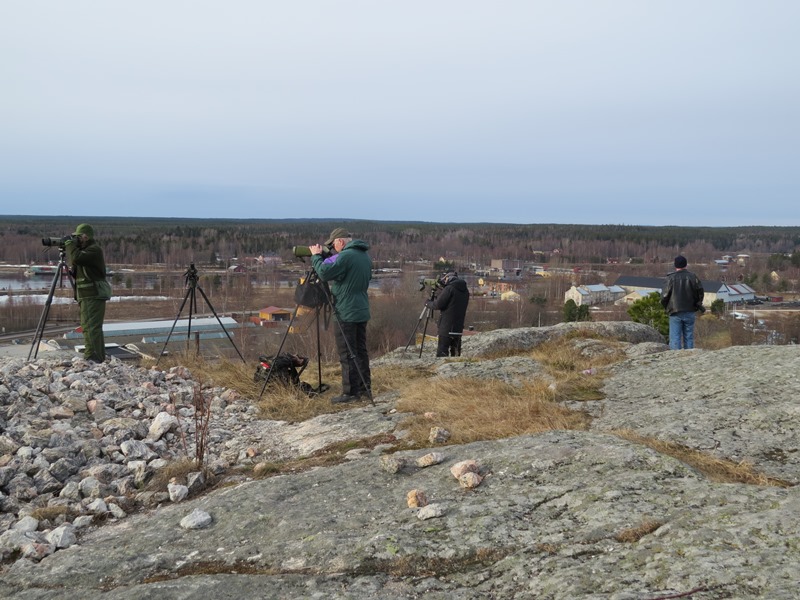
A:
{"points": [[9, 281], [12, 281], [147, 281]]}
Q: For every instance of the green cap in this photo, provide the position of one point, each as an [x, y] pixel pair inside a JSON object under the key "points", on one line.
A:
{"points": [[337, 233], [84, 228]]}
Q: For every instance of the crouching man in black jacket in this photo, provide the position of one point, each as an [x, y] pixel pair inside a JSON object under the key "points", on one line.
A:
{"points": [[682, 298], [452, 302]]}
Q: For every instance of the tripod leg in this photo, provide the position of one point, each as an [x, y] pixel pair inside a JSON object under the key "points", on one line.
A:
{"points": [[37, 337], [416, 327], [175, 322], [319, 354], [424, 332], [192, 311], [230, 339]]}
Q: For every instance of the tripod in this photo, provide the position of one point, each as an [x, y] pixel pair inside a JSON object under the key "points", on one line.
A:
{"points": [[192, 286], [427, 314], [312, 278], [58, 277]]}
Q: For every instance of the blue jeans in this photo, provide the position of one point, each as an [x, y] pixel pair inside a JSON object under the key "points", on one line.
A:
{"points": [[681, 330]]}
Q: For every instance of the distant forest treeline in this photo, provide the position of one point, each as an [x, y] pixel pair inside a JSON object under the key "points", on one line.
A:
{"points": [[176, 242]]}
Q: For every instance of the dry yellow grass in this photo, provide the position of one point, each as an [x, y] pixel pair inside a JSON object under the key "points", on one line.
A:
{"points": [[490, 410], [279, 402], [49, 513], [634, 534], [579, 388], [385, 379], [411, 566], [561, 357], [289, 404], [177, 470], [330, 455], [716, 469], [479, 409]]}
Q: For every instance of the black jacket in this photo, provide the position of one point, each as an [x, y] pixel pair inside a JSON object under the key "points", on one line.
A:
{"points": [[683, 293], [452, 302]]}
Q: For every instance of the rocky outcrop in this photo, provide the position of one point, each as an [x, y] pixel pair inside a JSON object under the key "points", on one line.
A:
{"points": [[740, 404], [494, 354], [80, 440], [557, 515], [514, 341]]}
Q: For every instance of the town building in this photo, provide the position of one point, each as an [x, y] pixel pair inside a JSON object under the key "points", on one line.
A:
{"points": [[587, 295], [639, 287], [272, 314]]}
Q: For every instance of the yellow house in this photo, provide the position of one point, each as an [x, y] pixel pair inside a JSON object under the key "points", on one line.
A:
{"points": [[274, 314]]}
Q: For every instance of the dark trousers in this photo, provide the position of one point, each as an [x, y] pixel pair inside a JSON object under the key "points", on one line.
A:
{"points": [[449, 345], [353, 335]]}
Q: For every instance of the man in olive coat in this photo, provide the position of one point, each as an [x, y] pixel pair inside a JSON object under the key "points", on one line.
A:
{"points": [[92, 289]]}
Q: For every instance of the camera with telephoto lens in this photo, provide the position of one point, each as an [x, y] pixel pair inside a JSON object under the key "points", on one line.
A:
{"points": [[51, 242], [304, 251], [434, 284]]}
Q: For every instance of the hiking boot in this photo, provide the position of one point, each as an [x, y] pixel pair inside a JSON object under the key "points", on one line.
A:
{"points": [[344, 398]]}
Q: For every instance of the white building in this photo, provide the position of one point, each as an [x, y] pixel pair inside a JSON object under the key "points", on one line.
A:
{"points": [[739, 292], [593, 294], [714, 290]]}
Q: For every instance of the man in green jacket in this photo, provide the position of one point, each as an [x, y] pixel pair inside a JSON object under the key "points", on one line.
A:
{"points": [[349, 270], [92, 289]]}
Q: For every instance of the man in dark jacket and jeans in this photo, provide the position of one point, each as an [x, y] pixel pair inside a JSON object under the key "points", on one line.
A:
{"points": [[349, 270], [452, 302], [91, 289], [682, 298]]}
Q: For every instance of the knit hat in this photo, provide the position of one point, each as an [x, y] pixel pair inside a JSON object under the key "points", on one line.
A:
{"points": [[448, 277], [84, 228], [680, 262], [336, 234]]}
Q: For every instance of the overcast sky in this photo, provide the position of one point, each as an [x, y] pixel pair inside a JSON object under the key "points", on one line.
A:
{"points": [[630, 112]]}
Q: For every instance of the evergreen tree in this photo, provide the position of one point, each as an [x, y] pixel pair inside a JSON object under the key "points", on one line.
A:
{"points": [[573, 312], [570, 311], [795, 258], [649, 311]]}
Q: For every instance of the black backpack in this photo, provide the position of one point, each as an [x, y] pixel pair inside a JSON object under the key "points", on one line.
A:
{"points": [[311, 292], [286, 371]]}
